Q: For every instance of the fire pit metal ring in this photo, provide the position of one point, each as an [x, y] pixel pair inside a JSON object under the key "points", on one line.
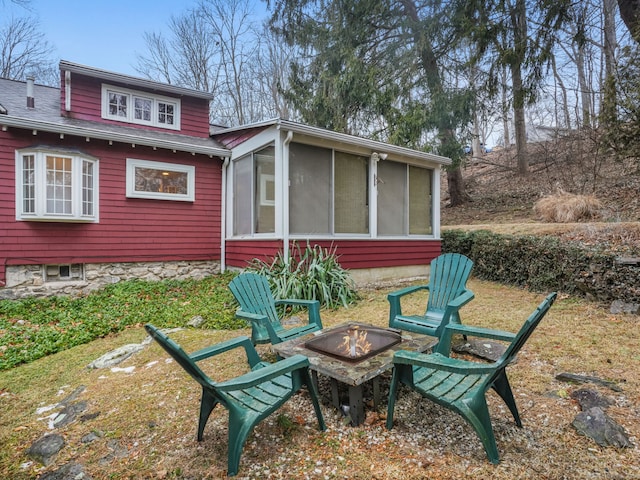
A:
{"points": [[354, 343]]}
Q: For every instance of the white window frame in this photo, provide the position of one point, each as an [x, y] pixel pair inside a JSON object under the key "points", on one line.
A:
{"points": [[40, 186], [190, 170], [131, 95]]}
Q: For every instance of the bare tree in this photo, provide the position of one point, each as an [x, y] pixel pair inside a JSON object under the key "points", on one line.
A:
{"points": [[24, 51]]}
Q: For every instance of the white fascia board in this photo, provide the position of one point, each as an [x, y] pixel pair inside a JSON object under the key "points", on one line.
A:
{"points": [[403, 154], [137, 139], [262, 139]]}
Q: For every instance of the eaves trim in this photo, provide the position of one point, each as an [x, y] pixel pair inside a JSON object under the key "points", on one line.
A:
{"points": [[10, 121]]}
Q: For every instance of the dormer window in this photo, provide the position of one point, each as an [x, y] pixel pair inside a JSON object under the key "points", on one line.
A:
{"points": [[132, 106]]}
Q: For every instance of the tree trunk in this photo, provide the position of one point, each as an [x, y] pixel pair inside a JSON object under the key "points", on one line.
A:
{"points": [[519, 23], [429, 63], [505, 110], [630, 14], [455, 184]]}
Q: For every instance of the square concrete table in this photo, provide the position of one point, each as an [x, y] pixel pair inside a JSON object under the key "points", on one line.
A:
{"points": [[353, 374]]}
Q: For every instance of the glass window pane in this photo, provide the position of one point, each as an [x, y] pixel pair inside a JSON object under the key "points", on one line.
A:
{"points": [[142, 109], [419, 201], [28, 184], [160, 180], [351, 193], [265, 199], [309, 189], [242, 189], [392, 195], [58, 174], [117, 104], [87, 188]]}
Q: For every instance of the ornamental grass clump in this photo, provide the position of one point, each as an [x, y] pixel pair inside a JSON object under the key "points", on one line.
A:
{"points": [[313, 274], [564, 207]]}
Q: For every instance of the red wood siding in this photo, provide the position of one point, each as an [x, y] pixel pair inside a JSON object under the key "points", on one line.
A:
{"points": [[86, 104], [353, 254], [129, 229], [240, 252]]}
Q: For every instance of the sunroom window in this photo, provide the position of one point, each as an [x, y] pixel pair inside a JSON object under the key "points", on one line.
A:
{"points": [[328, 192], [254, 193], [404, 199], [56, 186], [130, 106]]}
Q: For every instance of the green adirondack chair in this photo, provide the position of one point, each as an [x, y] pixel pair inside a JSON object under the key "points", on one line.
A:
{"points": [[461, 385], [258, 307], [249, 398], [447, 294]]}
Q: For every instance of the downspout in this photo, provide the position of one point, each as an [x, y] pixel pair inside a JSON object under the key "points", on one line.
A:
{"points": [[285, 196], [223, 217]]}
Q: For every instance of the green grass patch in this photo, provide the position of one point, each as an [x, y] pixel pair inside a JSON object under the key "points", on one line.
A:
{"points": [[33, 328]]}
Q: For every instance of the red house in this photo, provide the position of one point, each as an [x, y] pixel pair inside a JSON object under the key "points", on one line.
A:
{"points": [[111, 177]]}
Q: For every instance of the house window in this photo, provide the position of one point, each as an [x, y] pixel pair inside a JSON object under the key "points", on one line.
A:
{"points": [[328, 192], [130, 106], [56, 186], [254, 193], [404, 199], [160, 181]]}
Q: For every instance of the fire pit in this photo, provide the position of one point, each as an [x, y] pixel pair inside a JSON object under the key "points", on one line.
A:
{"points": [[354, 343]]}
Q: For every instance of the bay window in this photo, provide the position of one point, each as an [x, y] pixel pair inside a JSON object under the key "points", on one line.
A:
{"points": [[56, 186]]}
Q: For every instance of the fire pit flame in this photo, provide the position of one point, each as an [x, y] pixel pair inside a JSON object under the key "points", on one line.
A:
{"points": [[354, 343]]}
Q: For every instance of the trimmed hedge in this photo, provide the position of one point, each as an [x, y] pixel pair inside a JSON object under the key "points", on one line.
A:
{"points": [[543, 264]]}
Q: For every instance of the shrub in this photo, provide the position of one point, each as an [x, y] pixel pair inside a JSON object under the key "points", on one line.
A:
{"points": [[563, 207], [543, 264], [313, 274]]}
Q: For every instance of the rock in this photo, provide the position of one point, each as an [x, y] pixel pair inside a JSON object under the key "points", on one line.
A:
{"points": [[73, 395], [590, 398], [116, 356], [69, 414], [574, 378], [481, 348], [619, 306], [596, 424], [91, 437], [196, 321], [70, 471], [46, 448]]}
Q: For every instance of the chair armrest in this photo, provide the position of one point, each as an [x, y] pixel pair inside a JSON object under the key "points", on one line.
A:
{"points": [[269, 372], [252, 355], [406, 291], [313, 307], [441, 362], [461, 300], [444, 346], [395, 306]]}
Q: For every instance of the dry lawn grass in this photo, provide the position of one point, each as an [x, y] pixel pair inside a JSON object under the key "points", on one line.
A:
{"points": [[152, 412]]}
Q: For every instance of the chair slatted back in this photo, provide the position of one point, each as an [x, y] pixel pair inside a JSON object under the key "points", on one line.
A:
{"points": [[447, 279], [180, 356], [253, 293]]}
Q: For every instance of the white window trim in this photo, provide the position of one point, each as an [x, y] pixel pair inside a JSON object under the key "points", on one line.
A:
{"points": [[40, 214], [131, 94], [190, 170]]}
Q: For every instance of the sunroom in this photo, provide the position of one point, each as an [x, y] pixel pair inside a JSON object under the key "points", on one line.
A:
{"points": [[376, 204]]}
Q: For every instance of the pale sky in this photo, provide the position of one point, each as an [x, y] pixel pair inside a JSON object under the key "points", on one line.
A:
{"points": [[105, 34]]}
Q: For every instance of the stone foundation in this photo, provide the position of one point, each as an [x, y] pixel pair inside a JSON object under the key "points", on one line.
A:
{"points": [[25, 281]]}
